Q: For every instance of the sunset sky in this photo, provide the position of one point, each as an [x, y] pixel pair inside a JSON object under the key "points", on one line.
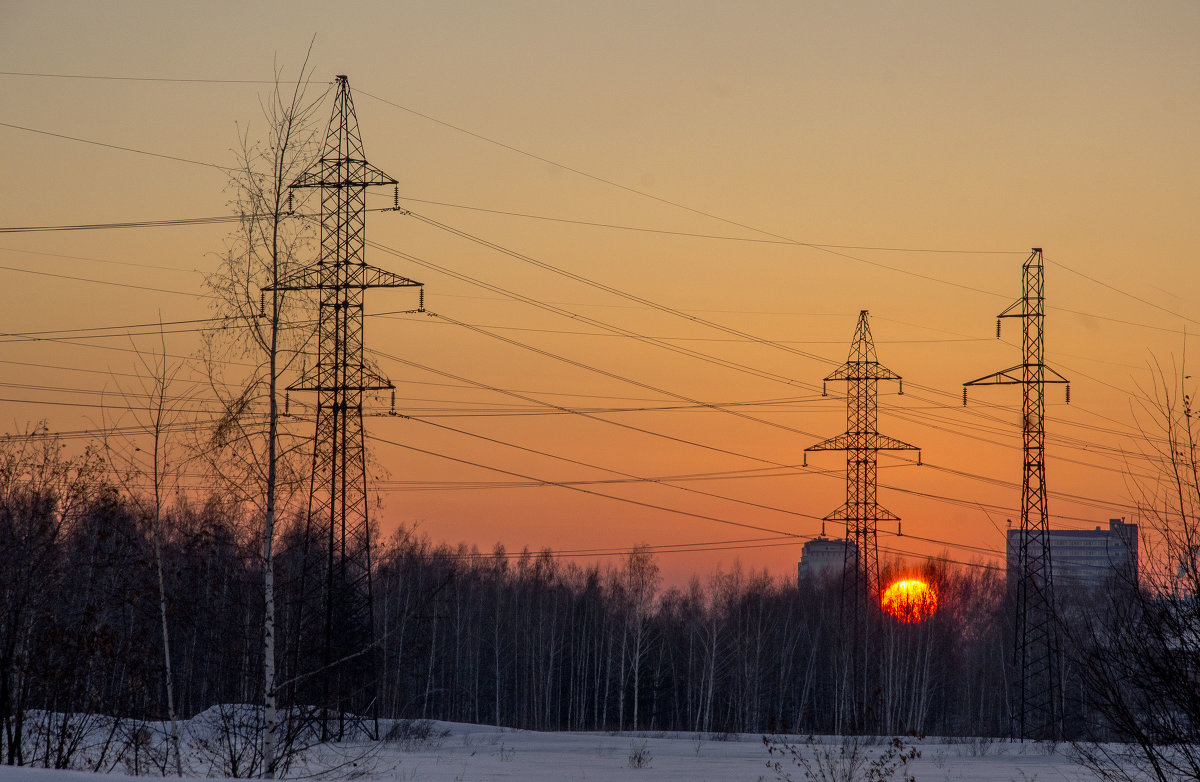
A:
{"points": [[772, 167]]}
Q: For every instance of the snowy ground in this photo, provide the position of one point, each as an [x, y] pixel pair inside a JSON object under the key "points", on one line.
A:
{"points": [[454, 752]]}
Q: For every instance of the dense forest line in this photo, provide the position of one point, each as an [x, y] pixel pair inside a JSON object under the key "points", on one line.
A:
{"points": [[527, 640]]}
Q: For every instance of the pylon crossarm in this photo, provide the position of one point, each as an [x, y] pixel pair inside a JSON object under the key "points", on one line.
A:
{"points": [[1017, 309], [310, 279], [381, 278], [874, 512], [1057, 377], [862, 370], [881, 442], [371, 380], [843, 442], [1002, 378], [332, 172]]}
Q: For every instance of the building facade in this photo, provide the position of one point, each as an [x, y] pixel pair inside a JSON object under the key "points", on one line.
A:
{"points": [[824, 557], [1087, 558]]}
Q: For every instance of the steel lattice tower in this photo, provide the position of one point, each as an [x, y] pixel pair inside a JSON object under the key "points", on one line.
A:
{"points": [[861, 513], [1037, 708], [337, 505], [862, 443]]}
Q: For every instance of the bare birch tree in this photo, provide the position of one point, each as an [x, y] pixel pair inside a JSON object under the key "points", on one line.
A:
{"points": [[156, 404], [42, 493], [1140, 653], [250, 451]]}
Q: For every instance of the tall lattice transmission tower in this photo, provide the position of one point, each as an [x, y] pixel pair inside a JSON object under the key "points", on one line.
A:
{"points": [[1037, 706], [337, 603], [861, 513]]}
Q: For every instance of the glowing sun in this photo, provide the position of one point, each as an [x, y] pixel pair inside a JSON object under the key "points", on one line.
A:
{"points": [[910, 600]]}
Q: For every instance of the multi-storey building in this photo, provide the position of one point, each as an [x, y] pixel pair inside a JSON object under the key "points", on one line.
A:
{"points": [[1087, 558], [824, 557]]}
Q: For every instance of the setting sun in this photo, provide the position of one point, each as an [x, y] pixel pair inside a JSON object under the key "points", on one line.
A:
{"points": [[910, 600]]}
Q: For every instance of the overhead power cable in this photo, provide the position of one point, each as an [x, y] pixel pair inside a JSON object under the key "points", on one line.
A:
{"points": [[583, 414], [17, 229], [637, 478], [193, 294], [682, 441], [827, 248], [620, 330], [163, 79], [118, 147], [691, 234], [653, 506], [1121, 291], [583, 490]]}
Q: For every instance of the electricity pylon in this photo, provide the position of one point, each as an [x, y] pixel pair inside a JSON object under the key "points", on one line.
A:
{"points": [[861, 513], [1037, 707], [337, 504]]}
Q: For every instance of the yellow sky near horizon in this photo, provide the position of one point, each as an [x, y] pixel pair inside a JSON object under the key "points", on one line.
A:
{"points": [[871, 126]]}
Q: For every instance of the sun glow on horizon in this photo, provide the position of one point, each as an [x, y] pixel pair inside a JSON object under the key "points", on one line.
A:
{"points": [[910, 600]]}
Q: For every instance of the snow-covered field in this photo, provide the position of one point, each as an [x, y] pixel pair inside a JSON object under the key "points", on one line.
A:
{"points": [[453, 752]]}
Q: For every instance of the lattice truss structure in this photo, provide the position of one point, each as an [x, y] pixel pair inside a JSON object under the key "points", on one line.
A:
{"points": [[862, 443], [1036, 708], [341, 377]]}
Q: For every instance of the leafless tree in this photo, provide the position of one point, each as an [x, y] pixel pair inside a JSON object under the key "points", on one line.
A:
{"points": [[43, 491], [250, 451], [156, 403], [1139, 652]]}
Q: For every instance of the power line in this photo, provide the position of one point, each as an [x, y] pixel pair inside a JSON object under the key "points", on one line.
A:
{"points": [[782, 534], [162, 79], [736, 340], [193, 294], [822, 247], [1123, 292], [701, 445], [89, 329], [605, 325], [690, 234], [591, 492], [484, 332], [118, 147], [637, 299], [96, 260], [185, 221], [590, 416], [636, 478], [776, 238]]}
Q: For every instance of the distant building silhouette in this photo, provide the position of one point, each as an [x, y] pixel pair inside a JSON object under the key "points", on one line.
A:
{"points": [[824, 557], [1087, 558]]}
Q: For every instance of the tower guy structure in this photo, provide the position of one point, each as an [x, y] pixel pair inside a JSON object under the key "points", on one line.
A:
{"points": [[1037, 706], [861, 512], [336, 591]]}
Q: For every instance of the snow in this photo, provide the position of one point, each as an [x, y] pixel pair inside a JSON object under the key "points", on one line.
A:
{"points": [[456, 752]]}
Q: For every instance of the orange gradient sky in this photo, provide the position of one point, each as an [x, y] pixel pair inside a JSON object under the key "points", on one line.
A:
{"points": [[808, 137]]}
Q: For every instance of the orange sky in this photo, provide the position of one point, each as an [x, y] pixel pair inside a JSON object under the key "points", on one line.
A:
{"points": [[937, 126]]}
